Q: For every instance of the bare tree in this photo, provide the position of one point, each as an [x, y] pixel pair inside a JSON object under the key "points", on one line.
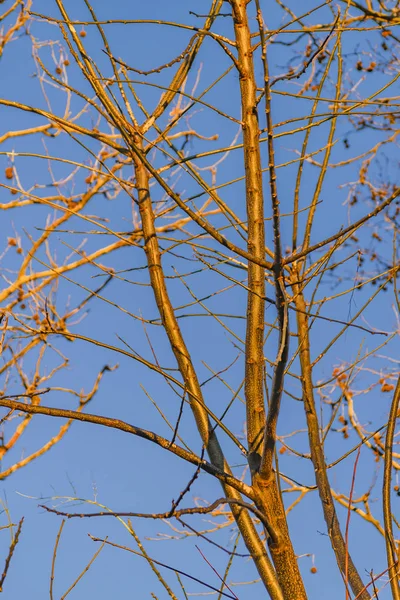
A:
{"points": [[266, 245]]}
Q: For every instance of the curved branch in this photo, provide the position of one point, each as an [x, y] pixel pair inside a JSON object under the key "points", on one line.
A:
{"points": [[392, 558]]}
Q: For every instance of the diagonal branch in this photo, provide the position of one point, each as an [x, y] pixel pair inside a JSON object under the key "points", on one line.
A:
{"points": [[132, 429], [10, 554]]}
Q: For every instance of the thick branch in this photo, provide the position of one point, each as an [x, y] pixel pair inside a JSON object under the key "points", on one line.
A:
{"points": [[269, 500], [188, 372], [254, 367]]}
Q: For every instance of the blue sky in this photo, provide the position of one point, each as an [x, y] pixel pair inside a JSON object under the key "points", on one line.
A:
{"points": [[125, 473]]}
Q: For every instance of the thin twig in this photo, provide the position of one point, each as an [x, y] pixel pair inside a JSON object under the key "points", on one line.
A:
{"points": [[53, 561], [10, 554], [157, 562]]}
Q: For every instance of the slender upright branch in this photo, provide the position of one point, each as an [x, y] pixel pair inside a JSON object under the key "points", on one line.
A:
{"points": [[391, 550], [343, 557], [279, 280]]}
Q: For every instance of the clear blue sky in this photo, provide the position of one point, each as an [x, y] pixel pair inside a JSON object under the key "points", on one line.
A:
{"points": [[118, 470]]}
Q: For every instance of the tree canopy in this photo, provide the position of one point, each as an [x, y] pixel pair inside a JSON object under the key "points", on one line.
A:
{"points": [[200, 309]]}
